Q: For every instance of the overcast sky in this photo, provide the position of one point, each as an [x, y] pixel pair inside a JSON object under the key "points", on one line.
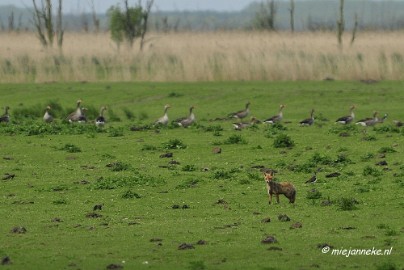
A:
{"points": [[73, 6]]}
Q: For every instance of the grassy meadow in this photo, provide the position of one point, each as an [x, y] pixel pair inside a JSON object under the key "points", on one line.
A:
{"points": [[216, 56], [88, 198]]}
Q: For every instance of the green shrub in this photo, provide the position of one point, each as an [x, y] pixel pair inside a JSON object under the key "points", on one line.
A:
{"points": [[190, 183], [128, 113], [319, 159], [221, 174], [347, 204], [235, 139], [313, 194], [115, 132], [135, 179], [189, 168], [283, 141], [148, 147], [130, 195], [368, 170], [174, 144], [119, 166], [387, 266], [386, 149], [71, 148]]}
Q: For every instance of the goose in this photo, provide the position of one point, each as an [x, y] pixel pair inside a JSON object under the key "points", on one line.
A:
{"points": [[276, 118], [186, 121], [241, 114], [100, 120], [313, 179], [308, 121], [82, 118], [241, 125], [398, 123], [5, 117], [75, 116], [383, 118], [347, 119], [371, 121], [164, 119], [47, 117]]}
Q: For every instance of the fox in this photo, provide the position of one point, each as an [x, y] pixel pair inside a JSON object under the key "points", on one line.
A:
{"points": [[285, 188]]}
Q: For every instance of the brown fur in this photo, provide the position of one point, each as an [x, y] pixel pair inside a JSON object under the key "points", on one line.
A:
{"points": [[285, 188]]}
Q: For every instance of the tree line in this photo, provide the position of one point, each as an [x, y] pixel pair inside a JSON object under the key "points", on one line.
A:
{"points": [[127, 23]]}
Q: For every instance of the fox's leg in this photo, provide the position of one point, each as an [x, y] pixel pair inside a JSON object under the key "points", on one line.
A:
{"points": [[277, 198], [270, 198]]}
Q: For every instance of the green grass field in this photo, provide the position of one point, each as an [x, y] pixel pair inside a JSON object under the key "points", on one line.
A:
{"points": [[206, 210]]}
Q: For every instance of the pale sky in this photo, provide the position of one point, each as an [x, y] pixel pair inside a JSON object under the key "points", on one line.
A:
{"points": [[74, 6]]}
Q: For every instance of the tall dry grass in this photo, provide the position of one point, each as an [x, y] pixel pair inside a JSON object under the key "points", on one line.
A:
{"points": [[204, 57]]}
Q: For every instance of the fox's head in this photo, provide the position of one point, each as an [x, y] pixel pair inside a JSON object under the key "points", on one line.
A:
{"points": [[268, 176]]}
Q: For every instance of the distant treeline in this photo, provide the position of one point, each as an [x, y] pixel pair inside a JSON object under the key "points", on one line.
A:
{"points": [[310, 15]]}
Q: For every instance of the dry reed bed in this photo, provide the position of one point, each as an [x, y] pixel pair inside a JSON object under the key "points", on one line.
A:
{"points": [[204, 57]]}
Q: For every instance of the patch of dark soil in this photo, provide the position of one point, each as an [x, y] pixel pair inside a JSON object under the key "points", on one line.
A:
{"points": [[82, 182], [156, 240], [56, 219], [334, 174], [133, 223], [382, 163], [266, 220], [296, 225], [114, 266], [269, 240], [201, 242], [221, 201], [8, 176], [167, 155], [19, 230], [8, 158], [6, 260], [235, 224], [275, 248], [93, 215], [348, 228], [22, 202], [326, 203], [184, 246], [217, 150], [174, 162], [368, 81], [368, 237], [283, 218], [97, 207], [344, 134]]}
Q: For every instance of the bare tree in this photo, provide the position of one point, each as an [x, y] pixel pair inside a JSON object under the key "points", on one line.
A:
{"points": [[340, 23], [292, 15], [354, 29], [11, 24], [96, 21], [146, 13], [43, 21], [59, 26]]}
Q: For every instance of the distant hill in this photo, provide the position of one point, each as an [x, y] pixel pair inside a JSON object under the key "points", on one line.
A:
{"points": [[309, 15]]}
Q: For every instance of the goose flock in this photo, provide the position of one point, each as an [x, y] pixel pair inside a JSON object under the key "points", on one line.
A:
{"points": [[79, 116]]}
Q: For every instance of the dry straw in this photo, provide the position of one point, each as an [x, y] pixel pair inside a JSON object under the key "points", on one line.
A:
{"points": [[212, 56]]}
